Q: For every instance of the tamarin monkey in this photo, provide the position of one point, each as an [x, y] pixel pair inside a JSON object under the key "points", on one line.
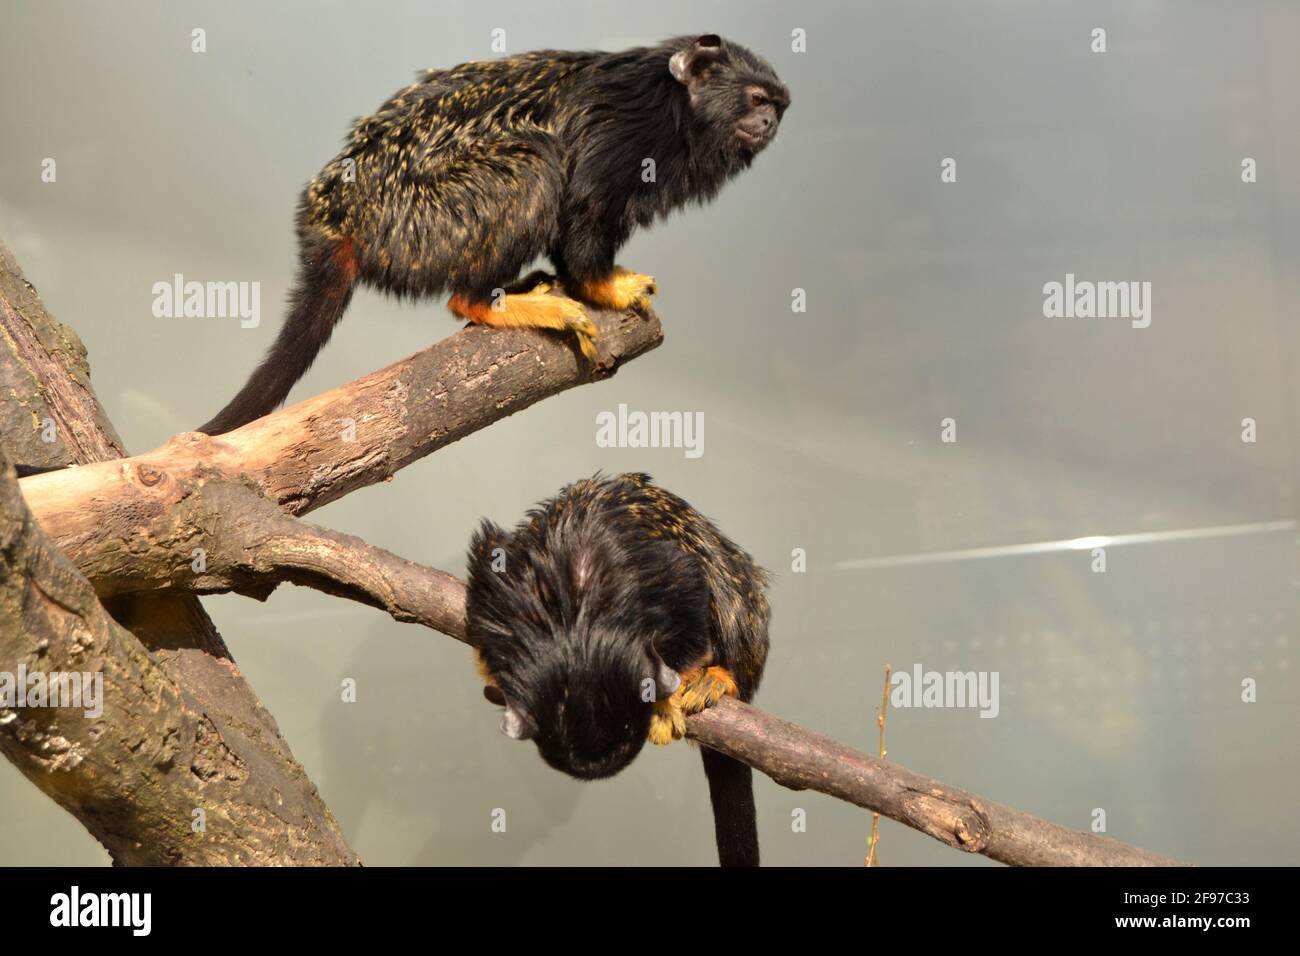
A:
{"points": [[469, 174], [611, 612]]}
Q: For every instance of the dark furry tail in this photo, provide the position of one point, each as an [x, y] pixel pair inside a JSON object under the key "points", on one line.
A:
{"points": [[731, 788], [25, 470], [326, 275]]}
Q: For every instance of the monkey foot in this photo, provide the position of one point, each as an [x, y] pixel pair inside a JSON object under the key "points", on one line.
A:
{"points": [[667, 722], [621, 290], [535, 309], [700, 689]]}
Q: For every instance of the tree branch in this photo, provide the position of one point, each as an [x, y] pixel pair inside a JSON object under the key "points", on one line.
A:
{"points": [[803, 760], [136, 773], [45, 381], [261, 805], [320, 449], [223, 536]]}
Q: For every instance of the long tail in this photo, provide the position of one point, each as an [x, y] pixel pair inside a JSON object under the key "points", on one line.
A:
{"points": [[731, 790], [326, 275], [25, 470]]}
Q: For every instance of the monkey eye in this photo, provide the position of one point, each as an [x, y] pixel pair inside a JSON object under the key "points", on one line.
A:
{"points": [[757, 98]]}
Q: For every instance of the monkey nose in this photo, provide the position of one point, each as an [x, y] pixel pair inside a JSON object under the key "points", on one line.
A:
{"points": [[756, 131]]}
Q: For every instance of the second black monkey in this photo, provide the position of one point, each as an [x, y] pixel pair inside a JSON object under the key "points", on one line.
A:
{"points": [[609, 614], [469, 174]]}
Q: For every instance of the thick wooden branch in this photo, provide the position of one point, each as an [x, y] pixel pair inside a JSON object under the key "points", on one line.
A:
{"points": [[322, 448], [223, 536], [49, 414], [153, 765], [261, 806]]}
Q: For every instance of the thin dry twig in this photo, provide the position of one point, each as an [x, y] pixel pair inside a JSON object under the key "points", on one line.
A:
{"points": [[874, 842]]}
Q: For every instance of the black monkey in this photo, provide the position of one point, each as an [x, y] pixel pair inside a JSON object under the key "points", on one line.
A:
{"points": [[469, 174], [612, 611]]}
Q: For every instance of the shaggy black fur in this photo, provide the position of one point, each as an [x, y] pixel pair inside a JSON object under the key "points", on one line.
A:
{"points": [[573, 612], [469, 174]]}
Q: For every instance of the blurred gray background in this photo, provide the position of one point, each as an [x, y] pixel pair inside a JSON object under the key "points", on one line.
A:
{"points": [[1120, 690]]}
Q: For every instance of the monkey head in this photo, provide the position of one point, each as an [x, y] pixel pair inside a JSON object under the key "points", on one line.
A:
{"points": [[581, 629], [587, 704], [736, 98]]}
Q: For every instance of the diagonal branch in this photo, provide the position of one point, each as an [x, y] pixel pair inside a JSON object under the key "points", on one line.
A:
{"points": [[362, 433], [207, 726], [154, 776], [803, 760], [223, 536]]}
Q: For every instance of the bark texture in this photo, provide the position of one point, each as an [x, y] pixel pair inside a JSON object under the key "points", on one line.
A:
{"points": [[157, 778], [217, 733]]}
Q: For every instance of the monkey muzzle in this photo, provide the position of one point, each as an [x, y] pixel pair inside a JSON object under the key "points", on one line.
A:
{"points": [[757, 128]]}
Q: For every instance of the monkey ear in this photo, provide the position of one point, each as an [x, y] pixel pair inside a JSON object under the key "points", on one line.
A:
{"points": [[666, 679], [494, 695], [515, 725], [689, 66]]}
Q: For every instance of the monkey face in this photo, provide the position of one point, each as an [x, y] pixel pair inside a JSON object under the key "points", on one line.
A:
{"points": [[581, 624], [589, 735], [757, 125], [588, 713], [734, 94]]}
